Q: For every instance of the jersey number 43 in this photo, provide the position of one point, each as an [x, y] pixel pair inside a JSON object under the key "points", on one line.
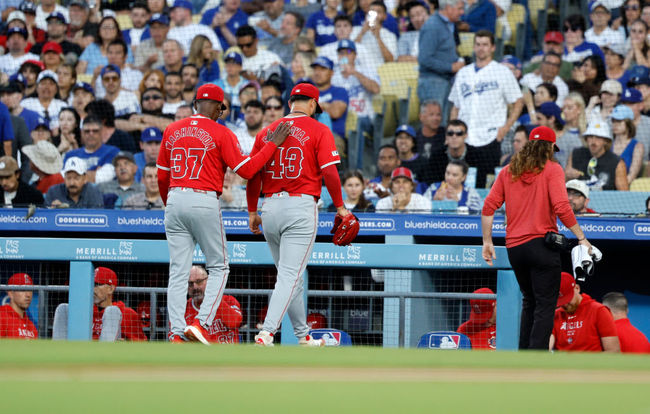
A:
{"points": [[186, 161], [286, 163]]}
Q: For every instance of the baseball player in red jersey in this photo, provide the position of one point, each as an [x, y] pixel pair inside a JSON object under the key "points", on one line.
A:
{"points": [[581, 323], [632, 340], [14, 322], [481, 328], [291, 183], [225, 326], [192, 161]]}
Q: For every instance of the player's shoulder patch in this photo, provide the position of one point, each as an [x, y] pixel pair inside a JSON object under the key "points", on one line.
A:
{"points": [[335, 153]]}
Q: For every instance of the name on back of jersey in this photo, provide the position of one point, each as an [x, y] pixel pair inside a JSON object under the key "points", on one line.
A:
{"points": [[191, 132], [297, 133]]}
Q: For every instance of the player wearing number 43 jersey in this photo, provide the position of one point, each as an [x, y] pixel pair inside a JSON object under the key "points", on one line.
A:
{"points": [[291, 184], [192, 162]]}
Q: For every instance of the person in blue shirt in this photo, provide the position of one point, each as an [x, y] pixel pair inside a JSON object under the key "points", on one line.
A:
{"points": [[6, 129], [225, 20], [140, 31], [204, 57], [390, 22], [479, 15], [576, 48], [77, 191], [11, 95], [150, 140], [320, 25], [333, 100]]}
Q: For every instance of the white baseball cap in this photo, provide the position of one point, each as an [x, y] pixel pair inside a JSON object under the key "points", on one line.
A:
{"points": [[75, 164], [16, 15], [598, 129], [579, 186]]}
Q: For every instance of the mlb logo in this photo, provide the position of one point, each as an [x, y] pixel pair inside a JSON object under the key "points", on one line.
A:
{"points": [[444, 340], [331, 337]]}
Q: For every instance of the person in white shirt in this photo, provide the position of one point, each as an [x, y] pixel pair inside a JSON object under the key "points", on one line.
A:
{"points": [[125, 102], [46, 8], [548, 73], [343, 30], [403, 197], [185, 31], [16, 44], [256, 61], [380, 42], [129, 78], [268, 21], [481, 96], [407, 45], [600, 33], [45, 104], [253, 119], [173, 93]]}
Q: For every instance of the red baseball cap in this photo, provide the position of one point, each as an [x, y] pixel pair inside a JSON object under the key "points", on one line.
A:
{"points": [[482, 309], [544, 133], [401, 172], [567, 285], [105, 276], [20, 279], [52, 47], [37, 63], [211, 92], [308, 90], [554, 37], [316, 321]]}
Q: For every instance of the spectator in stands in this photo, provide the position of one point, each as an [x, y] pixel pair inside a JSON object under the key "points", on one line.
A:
{"points": [[190, 76], [272, 87], [204, 58], [125, 185], [16, 192], [642, 84], [46, 162], [149, 199], [545, 92], [233, 196], [514, 64], [351, 9], [453, 187], [550, 115], [573, 113], [479, 15], [639, 51], [588, 77], [519, 139], [301, 66], [10, 95], [481, 328], [380, 42], [597, 164], [625, 145], [437, 57], [404, 198], [82, 95], [173, 93], [600, 33], [94, 55], [268, 21], [576, 47], [149, 53], [228, 318], [387, 161], [389, 21], [124, 102], [578, 193], [355, 201], [549, 73], [631, 339], [282, 45], [407, 151], [407, 45], [184, 111], [631, 11], [14, 321], [129, 79], [95, 155], [140, 16], [333, 100], [273, 110], [152, 79], [633, 99], [320, 24], [52, 56], [57, 26], [111, 135], [172, 56], [431, 134], [81, 30], [158, 6], [46, 104], [150, 140], [16, 56], [253, 119], [255, 60], [601, 106], [225, 19], [30, 71], [76, 191], [69, 137], [112, 321], [42, 131], [342, 31], [231, 81], [581, 323], [67, 78], [614, 59], [184, 30]]}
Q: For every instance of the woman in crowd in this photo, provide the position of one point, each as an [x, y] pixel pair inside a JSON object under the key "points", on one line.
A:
{"points": [[353, 185], [204, 57], [273, 109], [545, 92], [625, 146], [94, 57], [67, 78], [300, 65], [587, 78], [631, 13], [453, 187], [69, 137], [639, 52], [614, 60], [153, 78], [601, 106]]}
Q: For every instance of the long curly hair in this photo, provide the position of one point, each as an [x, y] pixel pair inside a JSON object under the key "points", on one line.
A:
{"points": [[532, 158]]}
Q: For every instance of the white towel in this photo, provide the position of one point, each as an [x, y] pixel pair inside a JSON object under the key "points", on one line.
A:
{"points": [[583, 262]]}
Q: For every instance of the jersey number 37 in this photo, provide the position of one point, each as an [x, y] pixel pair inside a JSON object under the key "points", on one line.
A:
{"points": [[286, 163], [186, 161]]}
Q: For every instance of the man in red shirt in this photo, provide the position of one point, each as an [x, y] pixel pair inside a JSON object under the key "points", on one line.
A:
{"points": [[581, 323], [225, 326], [14, 322], [192, 162], [631, 339], [481, 328], [291, 182]]}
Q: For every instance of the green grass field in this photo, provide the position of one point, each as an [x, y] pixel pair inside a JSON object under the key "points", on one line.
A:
{"points": [[58, 377]]}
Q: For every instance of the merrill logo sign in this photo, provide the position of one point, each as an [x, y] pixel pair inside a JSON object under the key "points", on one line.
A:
{"points": [[126, 248], [123, 251], [11, 249], [469, 254], [239, 250], [354, 252]]}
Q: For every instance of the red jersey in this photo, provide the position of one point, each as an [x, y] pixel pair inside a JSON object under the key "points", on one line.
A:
{"points": [[225, 326], [13, 326], [582, 330], [481, 336], [48, 181], [632, 340], [131, 326], [296, 165]]}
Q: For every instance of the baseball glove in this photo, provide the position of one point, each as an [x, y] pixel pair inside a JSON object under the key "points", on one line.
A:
{"points": [[345, 229]]}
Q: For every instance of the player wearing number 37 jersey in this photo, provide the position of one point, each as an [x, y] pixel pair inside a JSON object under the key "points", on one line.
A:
{"points": [[192, 162], [291, 183]]}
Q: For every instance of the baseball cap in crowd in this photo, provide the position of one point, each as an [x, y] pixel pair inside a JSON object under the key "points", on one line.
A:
{"points": [[639, 71], [47, 74], [579, 186], [549, 109], [612, 86], [40, 65], [544, 133], [57, 15], [622, 112], [42, 122], [346, 44], [110, 68], [105, 276], [44, 156], [16, 15], [159, 18], [597, 4], [401, 172], [308, 90], [123, 155], [52, 47], [8, 166], [638, 80], [211, 92], [12, 87], [323, 62], [182, 3], [512, 60], [83, 85], [75, 164], [316, 321], [598, 129], [27, 7], [151, 134], [19, 79], [618, 48], [406, 128], [481, 309], [631, 95], [20, 279], [554, 37], [80, 3], [18, 30], [567, 289], [233, 57]]}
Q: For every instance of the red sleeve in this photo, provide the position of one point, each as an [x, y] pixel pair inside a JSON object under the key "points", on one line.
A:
{"points": [[230, 312], [246, 167], [163, 184], [131, 326], [605, 323], [495, 198], [333, 184], [253, 192], [558, 195], [462, 328], [163, 169]]}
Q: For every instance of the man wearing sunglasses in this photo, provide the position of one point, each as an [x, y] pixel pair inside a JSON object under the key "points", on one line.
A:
{"points": [[576, 47], [125, 102], [255, 60], [152, 116]]}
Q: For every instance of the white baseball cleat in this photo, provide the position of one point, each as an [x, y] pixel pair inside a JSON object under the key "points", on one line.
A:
{"points": [[264, 338], [309, 341]]}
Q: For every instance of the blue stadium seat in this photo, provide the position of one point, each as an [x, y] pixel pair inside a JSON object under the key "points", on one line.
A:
{"points": [[332, 337], [626, 202], [444, 340]]}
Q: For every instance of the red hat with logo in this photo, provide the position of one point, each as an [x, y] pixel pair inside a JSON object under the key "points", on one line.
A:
{"points": [[36, 63], [20, 279], [105, 276], [308, 90], [567, 289], [554, 37], [211, 92], [544, 133], [52, 47], [482, 309], [401, 172], [316, 321]]}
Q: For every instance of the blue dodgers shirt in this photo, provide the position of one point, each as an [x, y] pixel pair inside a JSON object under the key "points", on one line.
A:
{"points": [[237, 20], [30, 117], [323, 26], [334, 93], [103, 155]]}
